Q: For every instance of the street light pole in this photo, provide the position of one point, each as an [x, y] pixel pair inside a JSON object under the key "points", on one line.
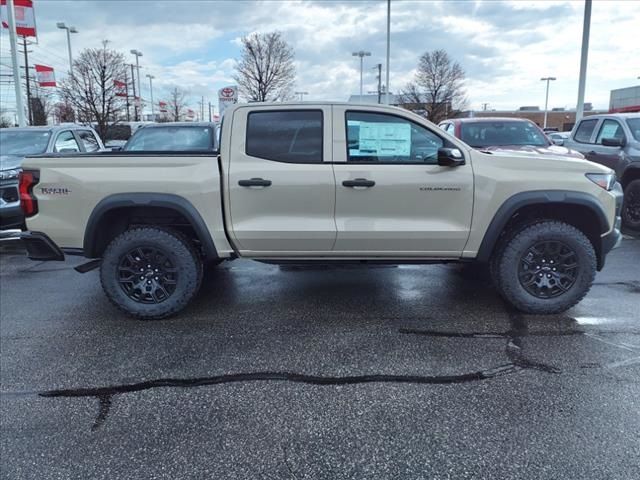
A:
{"points": [[153, 113], [583, 59], [361, 54], [386, 94], [69, 30], [546, 100], [14, 63], [138, 54]]}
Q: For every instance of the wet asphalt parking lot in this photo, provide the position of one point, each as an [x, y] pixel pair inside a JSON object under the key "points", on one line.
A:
{"points": [[307, 373]]}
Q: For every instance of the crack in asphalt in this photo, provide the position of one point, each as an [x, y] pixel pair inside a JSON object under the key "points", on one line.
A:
{"points": [[513, 350]]}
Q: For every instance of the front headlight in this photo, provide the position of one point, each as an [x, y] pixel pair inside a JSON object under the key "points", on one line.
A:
{"points": [[603, 180], [9, 174]]}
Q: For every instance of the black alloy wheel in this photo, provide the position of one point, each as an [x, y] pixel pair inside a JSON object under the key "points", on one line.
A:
{"points": [[548, 269], [147, 275]]}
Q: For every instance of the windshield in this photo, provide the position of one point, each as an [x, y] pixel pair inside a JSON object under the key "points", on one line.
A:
{"points": [[171, 138], [634, 126], [492, 134], [22, 142]]}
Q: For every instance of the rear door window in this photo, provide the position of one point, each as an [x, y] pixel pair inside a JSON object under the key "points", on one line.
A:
{"points": [[584, 131], [293, 136]]}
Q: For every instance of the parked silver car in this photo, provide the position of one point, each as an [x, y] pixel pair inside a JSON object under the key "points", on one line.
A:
{"points": [[17, 143]]}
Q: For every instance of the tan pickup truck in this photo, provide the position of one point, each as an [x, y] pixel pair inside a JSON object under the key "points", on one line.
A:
{"points": [[323, 182]]}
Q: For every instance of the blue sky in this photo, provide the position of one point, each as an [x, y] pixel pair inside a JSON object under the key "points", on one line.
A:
{"points": [[504, 46]]}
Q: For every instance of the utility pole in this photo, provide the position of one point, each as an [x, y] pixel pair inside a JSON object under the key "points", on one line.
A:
{"points": [[126, 91], [153, 113], [379, 67], [135, 101], [583, 59], [11, 14], [210, 117], [26, 74], [386, 94], [484, 107], [546, 99]]}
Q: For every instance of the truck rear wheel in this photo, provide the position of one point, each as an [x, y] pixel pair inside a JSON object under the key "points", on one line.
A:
{"points": [[545, 268], [150, 273]]}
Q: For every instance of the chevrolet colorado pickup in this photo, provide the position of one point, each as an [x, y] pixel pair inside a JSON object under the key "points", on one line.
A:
{"points": [[323, 182]]}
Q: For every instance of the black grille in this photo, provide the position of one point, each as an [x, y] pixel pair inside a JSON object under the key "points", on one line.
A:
{"points": [[9, 194]]}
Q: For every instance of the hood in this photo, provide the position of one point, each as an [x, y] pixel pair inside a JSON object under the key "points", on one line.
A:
{"points": [[550, 150], [8, 162]]}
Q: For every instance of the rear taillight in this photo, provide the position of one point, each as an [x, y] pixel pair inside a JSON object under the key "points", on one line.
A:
{"points": [[28, 202]]}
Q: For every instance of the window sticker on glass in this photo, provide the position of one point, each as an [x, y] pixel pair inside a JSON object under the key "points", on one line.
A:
{"points": [[609, 130], [382, 139]]}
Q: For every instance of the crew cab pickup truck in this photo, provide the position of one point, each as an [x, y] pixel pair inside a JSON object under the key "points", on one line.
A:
{"points": [[329, 183], [613, 140]]}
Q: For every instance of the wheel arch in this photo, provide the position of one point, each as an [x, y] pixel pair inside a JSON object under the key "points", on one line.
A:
{"points": [[631, 173], [575, 208], [114, 213]]}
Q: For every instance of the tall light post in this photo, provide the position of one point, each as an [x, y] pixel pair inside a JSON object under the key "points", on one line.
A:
{"points": [[546, 99], [69, 30], [386, 93], [11, 14], [586, 26], [153, 113], [361, 54], [301, 94], [138, 54]]}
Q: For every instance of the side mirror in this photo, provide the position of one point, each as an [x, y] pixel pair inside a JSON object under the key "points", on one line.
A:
{"points": [[558, 141], [450, 157], [613, 142]]}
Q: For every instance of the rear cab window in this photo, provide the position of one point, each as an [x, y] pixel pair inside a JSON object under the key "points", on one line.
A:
{"points": [[585, 130], [293, 136]]}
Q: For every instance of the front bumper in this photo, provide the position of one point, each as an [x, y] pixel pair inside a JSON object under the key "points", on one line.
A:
{"points": [[38, 245], [612, 239]]}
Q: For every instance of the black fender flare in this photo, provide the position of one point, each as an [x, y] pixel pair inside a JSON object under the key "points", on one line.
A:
{"points": [[165, 200], [536, 197]]}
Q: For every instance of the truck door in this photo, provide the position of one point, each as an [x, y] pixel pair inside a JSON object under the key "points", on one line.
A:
{"points": [[392, 199], [280, 181], [607, 155]]}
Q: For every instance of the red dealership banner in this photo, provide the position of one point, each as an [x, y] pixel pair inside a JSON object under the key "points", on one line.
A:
{"points": [[121, 88], [163, 107], [25, 17], [45, 76]]}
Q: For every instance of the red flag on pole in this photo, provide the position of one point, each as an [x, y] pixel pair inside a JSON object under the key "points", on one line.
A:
{"points": [[25, 17], [121, 88], [45, 76]]}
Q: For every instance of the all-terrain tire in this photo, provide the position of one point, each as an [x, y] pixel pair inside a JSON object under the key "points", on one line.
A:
{"points": [[174, 252], [510, 276], [631, 207]]}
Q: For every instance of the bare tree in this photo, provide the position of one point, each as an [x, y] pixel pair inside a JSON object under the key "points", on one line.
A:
{"points": [[42, 107], [63, 112], [265, 71], [91, 90], [176, 105], [437, 87]]}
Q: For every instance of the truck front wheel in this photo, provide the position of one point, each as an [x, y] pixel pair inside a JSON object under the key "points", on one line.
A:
{"points": [[545, 268], [150, 272], [631, 206]]}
